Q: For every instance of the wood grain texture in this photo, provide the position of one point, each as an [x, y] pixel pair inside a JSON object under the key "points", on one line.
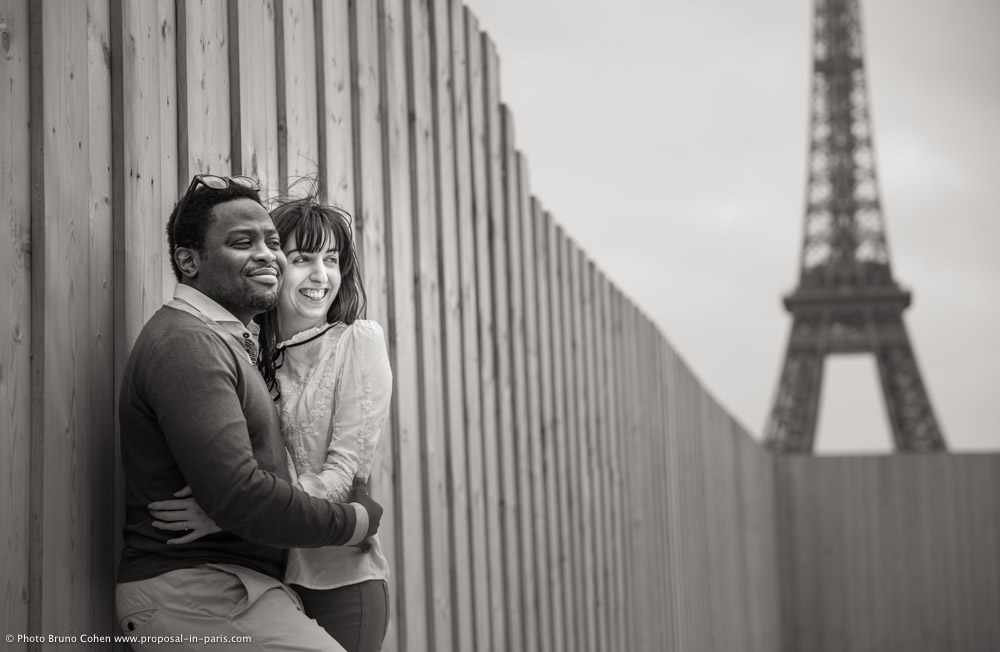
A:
{"points": [[535, 579], [298, 116], [203, 126], [622, 470], [638, 564], [573, 407], [520, 497], [604, 516], [661, 435], [16, 324], [590, 483], [150, 183], [469, 221], [412, 575], [370, 235], [101, 489], [430, 347], [545, 255], [672, 470], [75, 422], [258, 93], [559, 286], [487, 330], [443, 82], [336, 124], [498, 206]]}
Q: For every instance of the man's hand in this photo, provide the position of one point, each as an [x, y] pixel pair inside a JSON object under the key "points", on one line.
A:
{"points": [[359, 495]]}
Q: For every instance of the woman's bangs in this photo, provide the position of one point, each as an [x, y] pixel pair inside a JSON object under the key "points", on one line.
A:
{"points": [[315, 234]]}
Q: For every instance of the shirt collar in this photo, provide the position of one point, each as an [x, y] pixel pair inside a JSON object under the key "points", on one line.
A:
{"points": [[208, 307]]}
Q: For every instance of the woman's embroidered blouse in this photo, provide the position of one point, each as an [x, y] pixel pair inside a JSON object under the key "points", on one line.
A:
{"points": [[335, 385]]}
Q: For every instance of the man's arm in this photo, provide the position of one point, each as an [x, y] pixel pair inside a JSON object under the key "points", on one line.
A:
{"points": [[193, 392]]}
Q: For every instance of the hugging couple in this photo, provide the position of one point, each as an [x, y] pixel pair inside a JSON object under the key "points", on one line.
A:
{"points": [[251, 406]]}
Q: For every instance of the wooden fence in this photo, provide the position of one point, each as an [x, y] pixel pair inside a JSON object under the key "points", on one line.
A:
{"points": [[554, 476], [891, 552]]}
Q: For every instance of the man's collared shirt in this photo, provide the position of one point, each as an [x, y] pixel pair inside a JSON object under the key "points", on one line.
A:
{"points": [[208, 307]]}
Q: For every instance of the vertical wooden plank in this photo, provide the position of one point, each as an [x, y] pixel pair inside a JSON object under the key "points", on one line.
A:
{"points": [[657, 460], [651, 437], [625, 455], [150, 160], [686, 628], [676, 526], [571, 379], [714, 523], [549, 366], [635, 456], [769, 597], [648, 385], [590, 480], [534, 278], [203, 130], [73, 394], [469, 210], [101, 368], [519, 498], [429, 352], [144, 173], [562, 339], [336, 125], [734, 542], [258, 93], [658, 435], [444, 82], [694, 558], [16, 326], [605, 524], [676, 470], [412, 577], [371, 242], [621, 472], [534, 582], [487, 330], [298, 117], [498, 206]]}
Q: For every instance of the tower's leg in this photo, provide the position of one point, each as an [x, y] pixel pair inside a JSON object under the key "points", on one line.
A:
{"points": [[792, 424], [914, 427]]}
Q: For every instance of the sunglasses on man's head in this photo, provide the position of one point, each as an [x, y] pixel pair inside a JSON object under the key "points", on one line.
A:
{"points": [[214, 182]]}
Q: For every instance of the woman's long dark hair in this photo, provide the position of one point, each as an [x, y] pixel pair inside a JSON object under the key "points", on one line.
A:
{"points": [[312, 224]]}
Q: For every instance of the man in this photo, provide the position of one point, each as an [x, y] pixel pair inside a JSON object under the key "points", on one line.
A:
{"points": [[195, 411]]}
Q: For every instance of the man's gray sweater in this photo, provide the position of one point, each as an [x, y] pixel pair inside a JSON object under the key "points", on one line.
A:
{"points": [[194, 411]]}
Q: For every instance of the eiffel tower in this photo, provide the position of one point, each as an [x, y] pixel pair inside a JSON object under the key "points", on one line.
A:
{"points": [[847, 300]]}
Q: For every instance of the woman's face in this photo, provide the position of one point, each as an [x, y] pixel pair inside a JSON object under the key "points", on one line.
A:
{"points": [[311, 283]]}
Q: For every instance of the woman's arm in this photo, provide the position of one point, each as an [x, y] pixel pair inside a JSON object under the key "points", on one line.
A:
{"points": [[361, 407], [183, 514]]}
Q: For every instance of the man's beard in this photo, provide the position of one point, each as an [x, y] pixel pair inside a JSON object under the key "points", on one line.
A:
{"points": [[244, 297]]}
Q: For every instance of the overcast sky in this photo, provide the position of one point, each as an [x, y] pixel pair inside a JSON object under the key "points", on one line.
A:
{"points": [[670, 138]]}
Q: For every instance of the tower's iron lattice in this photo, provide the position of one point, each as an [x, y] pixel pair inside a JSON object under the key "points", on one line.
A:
{"points": [[847, 300]]}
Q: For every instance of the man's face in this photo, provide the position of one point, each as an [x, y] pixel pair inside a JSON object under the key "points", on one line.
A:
{"points": [[240, 265]]}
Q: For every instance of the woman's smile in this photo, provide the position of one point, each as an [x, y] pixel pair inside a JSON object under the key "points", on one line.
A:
{"points": [[314, 294]]}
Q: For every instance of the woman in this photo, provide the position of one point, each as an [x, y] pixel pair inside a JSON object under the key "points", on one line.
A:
{"points": [[329, 372]]}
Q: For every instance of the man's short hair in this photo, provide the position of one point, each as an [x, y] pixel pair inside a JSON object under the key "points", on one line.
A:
{"points": [[188, 230]]}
